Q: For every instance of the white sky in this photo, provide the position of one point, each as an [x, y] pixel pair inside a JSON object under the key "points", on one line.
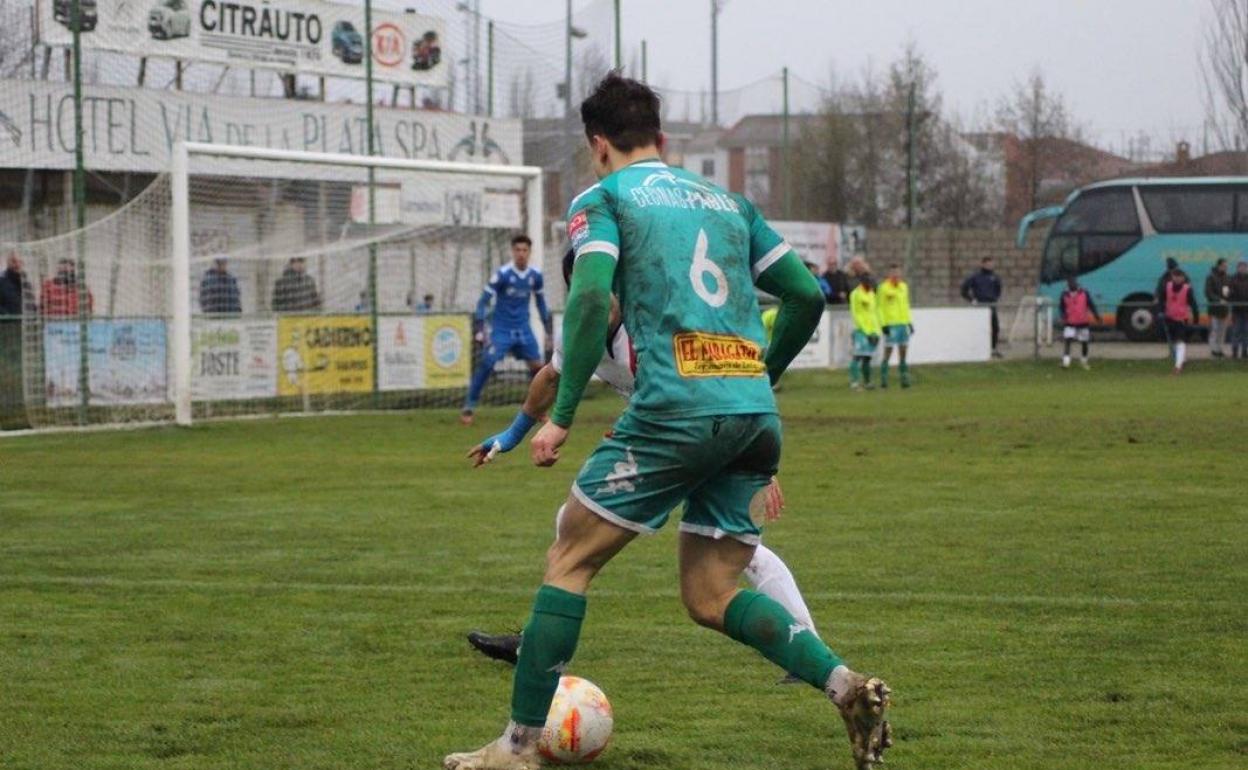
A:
{"points": [[1125, 66]]}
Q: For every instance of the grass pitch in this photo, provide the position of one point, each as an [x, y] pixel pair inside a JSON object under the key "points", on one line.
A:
{"points": [[1050, 568]]}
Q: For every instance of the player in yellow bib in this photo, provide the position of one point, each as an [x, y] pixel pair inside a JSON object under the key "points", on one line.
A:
{"points": [[864, 308], [894, 298]]}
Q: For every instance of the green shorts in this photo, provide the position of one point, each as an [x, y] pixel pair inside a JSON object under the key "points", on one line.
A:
{"points": [[864, 345], [714, 465], [896, 335]]}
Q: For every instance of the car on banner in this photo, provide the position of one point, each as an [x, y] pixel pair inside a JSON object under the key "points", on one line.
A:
{"points": [[347, 43], [63, 11], [169, 19], [426, 52]]}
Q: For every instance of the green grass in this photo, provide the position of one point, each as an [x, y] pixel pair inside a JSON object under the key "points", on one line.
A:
{"points": [[1050, 568]]}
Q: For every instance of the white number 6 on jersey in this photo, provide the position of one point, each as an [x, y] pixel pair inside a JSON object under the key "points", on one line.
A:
{"points": [[702, 267]]}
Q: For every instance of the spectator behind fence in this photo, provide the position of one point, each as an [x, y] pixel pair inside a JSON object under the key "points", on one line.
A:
{"points": [[1239, 311], [838, 285], [1217, 294], [1180, 308], [295, 290], [58, 297], [824, 286], [983, 287], [15, 289], [218, 291], [425, 306]]}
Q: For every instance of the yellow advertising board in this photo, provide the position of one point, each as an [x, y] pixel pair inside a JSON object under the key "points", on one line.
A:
{"points": [[324, 354], [448, 353]]}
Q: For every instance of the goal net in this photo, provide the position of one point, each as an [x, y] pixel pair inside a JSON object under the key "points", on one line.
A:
{"points": [[249, 281]]}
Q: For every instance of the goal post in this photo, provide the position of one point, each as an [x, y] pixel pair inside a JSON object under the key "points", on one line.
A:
{"points": [[247, 281], [192, 157]]}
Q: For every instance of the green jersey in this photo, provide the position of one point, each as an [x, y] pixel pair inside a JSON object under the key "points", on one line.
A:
{"points": [[687, 254]]}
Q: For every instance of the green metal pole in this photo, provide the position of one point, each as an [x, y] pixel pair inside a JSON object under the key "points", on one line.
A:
{"points": [[644, 77], [80, 219], [619, 51], [489, 58], [788, 202], [911, 191], [567, 64], [372, 201], [714, 62]]}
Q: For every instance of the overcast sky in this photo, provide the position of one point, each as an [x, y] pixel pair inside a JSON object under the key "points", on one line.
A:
{"points": [[1124, 65]]}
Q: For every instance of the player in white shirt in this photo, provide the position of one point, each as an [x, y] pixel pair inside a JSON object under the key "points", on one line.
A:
{"points": [[618, 368]]}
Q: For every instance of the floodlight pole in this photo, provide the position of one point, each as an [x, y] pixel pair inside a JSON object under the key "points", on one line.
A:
{"points": [[619, 51], [714, 62], [372, 202], [489, 75], [80, 219]]}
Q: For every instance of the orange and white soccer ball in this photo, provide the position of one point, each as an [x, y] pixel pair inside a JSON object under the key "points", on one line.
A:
{"points": [[579, 724]]}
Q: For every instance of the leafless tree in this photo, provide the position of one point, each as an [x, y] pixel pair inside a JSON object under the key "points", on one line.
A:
{"points": [[17, 48], [523, 95], [1224, 67], [1036, 115]]}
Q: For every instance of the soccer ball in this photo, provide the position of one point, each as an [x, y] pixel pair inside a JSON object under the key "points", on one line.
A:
{"points": [[579, 723]]}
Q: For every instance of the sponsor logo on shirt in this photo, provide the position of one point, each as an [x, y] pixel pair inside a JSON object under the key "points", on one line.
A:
{"points": [[699, 354], [578, 229]]}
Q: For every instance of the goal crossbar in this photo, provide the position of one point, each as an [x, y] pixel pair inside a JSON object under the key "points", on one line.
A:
{"points": [[180, 227]]}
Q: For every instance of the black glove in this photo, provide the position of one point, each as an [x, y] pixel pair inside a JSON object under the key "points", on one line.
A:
{"points": [[911, 329], [874, 339]]}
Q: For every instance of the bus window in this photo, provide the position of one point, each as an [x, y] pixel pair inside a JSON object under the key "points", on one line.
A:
{"points": [[1190, 209], [1101, 211]]}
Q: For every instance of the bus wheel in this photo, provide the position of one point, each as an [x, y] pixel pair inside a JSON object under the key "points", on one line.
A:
{"points": [[1137, 319]]}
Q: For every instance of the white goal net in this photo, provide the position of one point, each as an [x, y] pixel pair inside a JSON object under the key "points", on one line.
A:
{"points": [[250, 281]]}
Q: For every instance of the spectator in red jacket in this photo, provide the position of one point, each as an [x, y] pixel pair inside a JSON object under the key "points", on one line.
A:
{"points": [[58, 297]]}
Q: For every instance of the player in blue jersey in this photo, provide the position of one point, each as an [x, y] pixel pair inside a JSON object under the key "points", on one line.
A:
{"points": [[701, 429], [511, 332]]}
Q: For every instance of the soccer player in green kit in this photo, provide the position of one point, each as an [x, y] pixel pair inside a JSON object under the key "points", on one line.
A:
{"points": [[701, 427]]}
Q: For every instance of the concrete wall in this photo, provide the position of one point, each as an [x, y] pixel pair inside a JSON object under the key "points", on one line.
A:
{"points": [[942, 259]]}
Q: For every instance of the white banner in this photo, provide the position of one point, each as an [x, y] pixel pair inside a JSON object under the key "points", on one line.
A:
{"points": [[301, 36], [401, 353], [423, 352], [818, 352], [233, 359], [125, 362], [823, 243], [134, 129]]}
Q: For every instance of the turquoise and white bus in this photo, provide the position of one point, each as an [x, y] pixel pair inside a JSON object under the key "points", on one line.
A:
{"points": [[1116, 237]]}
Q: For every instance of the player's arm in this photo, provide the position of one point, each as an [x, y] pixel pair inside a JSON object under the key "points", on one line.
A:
{"points": [[585, 327], [1191, 301], [541, 395], [1092, 307], [801, 307], [779, 271], [540, 297]]}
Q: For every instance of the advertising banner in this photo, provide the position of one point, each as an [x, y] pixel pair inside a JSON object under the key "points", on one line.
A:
{"points": [[448, 352], [135, 129], [401, 355], [301, 36], [324, 354], [126, 362], [818, 352], [824, 243], [233, 359]]}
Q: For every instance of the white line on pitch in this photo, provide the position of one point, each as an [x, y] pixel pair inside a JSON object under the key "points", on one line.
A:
{"points": [[918, 597]]}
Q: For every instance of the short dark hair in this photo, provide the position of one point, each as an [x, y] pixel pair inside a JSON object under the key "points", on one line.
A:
{"points": [[624, 111], [985, 260], [526, 240]]}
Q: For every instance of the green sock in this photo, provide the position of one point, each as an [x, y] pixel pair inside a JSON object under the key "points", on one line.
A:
{"points": [[905, 369], [884, 372], [855, 370], [761, 622], [548, 644], [866, 370]]}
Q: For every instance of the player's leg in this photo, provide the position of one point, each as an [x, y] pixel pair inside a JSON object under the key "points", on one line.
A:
{"points": [[768, 574], [494, 352], [888, 354], [1068, 337], [585, 543], [903, 365], [1085, 340]]}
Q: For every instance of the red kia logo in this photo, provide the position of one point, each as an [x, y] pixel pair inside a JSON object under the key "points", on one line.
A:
{"points": [[389, 45]]}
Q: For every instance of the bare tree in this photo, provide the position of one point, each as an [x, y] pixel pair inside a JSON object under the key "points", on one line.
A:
{"points": [[523, 94], [1036, 116], [17, 45], [1224, 68]]}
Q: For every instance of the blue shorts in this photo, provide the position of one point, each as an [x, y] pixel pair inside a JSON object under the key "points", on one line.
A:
{"points": [[896, 335], [863, 345], [519, 342]]}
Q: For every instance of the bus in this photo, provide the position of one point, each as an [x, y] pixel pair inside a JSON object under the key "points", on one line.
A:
{"points": [[1116, 237]]}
